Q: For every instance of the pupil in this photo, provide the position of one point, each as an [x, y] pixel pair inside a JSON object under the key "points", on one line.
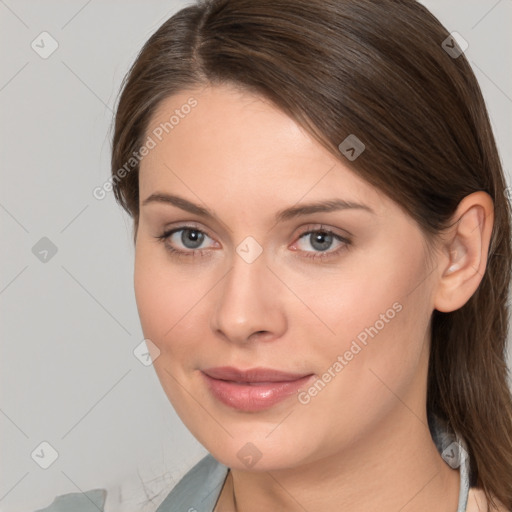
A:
{"points": [[324, 240], [192, 236]]}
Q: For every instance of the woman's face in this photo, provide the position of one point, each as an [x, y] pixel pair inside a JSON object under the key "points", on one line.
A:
{"points": [[342, 297]]}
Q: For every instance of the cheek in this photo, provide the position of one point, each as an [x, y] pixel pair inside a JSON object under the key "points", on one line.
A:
{"points": [[363, 296], [375, 310], [160, 298], [171, 305], [149, 296], [379, 312]]}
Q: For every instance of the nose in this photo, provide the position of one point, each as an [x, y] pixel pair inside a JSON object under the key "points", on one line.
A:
{"points": [[250, 303]]}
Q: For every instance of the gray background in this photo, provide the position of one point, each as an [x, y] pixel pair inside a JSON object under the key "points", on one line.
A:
{"points": [[70, 324]]}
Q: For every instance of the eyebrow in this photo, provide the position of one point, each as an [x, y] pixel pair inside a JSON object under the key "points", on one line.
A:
{"points": [[329, 205]]}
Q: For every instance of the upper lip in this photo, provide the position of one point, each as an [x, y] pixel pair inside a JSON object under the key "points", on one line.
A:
{"points": [[252, 374]]}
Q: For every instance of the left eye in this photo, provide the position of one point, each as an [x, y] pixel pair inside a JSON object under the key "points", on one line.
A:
{"points": [[321, 240]]}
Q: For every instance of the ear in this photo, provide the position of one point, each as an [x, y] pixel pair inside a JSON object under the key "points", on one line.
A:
{"points": [[463, 256]]}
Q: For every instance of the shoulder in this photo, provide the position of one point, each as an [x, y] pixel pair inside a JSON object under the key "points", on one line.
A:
{"points": [[477, 502], [153, 490], [89, 501], [199, 489]]}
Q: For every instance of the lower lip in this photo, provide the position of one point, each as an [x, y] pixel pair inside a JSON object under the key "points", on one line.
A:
{"points": [[253, 397]]}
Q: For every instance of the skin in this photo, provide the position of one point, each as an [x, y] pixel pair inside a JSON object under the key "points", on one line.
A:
{"points": [[363, 440]]}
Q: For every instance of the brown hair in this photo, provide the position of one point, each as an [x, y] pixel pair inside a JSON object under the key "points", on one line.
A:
{"points": [[376, 69]]}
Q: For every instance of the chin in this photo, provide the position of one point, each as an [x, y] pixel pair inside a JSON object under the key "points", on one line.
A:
{"points": [[257, 452]]}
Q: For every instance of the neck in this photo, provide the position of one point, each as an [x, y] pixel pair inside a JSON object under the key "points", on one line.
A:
{"points": [[395, 468]]}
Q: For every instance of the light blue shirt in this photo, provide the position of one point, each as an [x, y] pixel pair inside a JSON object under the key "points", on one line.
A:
{"points": [[199, 489]]}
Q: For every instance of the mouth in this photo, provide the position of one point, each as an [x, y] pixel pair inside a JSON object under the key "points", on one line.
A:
{"points": [[255, 389]]}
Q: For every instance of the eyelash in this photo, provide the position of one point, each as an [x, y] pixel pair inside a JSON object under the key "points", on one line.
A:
{"points": [[319, 255]]}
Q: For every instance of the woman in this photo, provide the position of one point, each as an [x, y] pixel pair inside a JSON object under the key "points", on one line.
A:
{"points": [[322, 256]]}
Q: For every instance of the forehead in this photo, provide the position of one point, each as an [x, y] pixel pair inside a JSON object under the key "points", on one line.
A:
{"points": [[222, 138]]}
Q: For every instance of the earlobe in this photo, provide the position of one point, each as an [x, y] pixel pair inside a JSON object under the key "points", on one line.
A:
{"points": [[467, 246]]}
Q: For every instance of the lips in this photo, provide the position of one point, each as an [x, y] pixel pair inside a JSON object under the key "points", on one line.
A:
{"points": [[254, 389], [253, 375]]}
